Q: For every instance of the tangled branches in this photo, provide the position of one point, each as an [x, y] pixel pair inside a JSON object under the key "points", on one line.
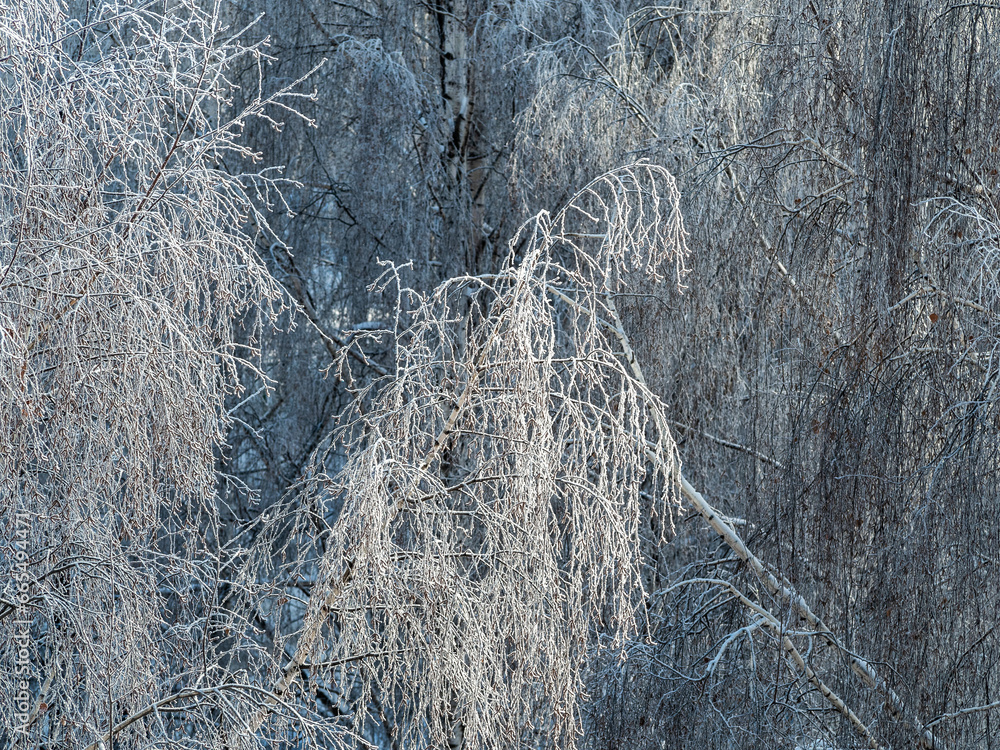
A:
{"points": [[123, 269], [489, 510]]}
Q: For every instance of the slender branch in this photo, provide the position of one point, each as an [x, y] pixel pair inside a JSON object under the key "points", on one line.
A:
{"points": [[774, 624], [963, 712], [334, 343], [804, 299], [729, 444], [776, 584], [216, 691]]}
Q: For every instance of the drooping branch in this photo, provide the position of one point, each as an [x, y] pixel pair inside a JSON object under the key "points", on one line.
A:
{"points": [[493, 492]]}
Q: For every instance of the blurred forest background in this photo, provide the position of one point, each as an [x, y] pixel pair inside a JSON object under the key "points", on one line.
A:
{"points": [[286, 343]]}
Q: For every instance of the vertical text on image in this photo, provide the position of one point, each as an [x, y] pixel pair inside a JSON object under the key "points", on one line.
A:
{"points": [[22, 623]]}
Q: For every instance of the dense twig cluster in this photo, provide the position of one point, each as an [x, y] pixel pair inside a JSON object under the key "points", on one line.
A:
{"points": [[479, 544], [489, 512], [124, 266]]}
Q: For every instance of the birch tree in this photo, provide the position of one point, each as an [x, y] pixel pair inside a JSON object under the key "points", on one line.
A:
{"points": [[126, 267], [828, 377], [486, 525], [459, 535]]}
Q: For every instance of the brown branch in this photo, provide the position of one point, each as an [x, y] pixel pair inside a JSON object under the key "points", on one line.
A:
{"points": [[778, 585]]}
